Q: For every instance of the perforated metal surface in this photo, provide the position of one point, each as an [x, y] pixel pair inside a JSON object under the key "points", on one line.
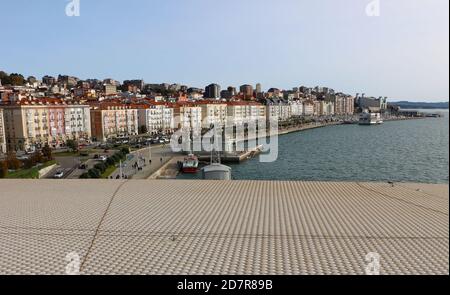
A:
{"points": [[213, 227]]}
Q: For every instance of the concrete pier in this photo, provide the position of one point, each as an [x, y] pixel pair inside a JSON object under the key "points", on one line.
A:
{"points": [[169, 170], [235, 157]]}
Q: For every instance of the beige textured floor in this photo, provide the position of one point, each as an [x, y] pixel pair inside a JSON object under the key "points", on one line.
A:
{"points": [[211, 227]]}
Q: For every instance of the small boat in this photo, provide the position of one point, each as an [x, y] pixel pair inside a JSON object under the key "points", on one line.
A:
{"points": [[190, 164], [370, 118]]}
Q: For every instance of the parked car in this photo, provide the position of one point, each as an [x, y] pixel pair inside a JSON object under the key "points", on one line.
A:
{"points": [[59, 174], [82, 166], [103, 158]]}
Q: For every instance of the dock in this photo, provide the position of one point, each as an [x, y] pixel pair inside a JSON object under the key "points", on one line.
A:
{"points": [[169, 170], [236, 157]]}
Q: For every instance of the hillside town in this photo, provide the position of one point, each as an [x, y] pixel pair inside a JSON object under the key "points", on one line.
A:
{"points": [[35, 113]]}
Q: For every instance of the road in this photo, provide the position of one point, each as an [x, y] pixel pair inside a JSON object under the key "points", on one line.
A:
{"points": [[160, 155], [66, 164], [69, 165]]}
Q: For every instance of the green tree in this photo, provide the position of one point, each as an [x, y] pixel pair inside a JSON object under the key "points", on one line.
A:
{"points": [[4, 77], [94, 173], [120, 155], [143, 129], [13, 162], [115, 158], [47, 152], [125, 150], [16, 79], [37, 157], [100, 167], [110, 161], [3, 169], [72, 145], [31, 79], [84, 175], [28, 163]]}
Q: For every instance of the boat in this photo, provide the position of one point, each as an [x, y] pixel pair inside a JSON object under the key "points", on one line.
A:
{"points": [[190, 164], [370, 118]]}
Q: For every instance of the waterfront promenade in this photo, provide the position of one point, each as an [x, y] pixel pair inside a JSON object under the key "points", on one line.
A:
{"points": [[222, 227], [168, 168], [169, 171], [308, 126], [149, 160]]}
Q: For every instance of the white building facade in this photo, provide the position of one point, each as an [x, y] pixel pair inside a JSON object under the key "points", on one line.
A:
{"points": [[157, 119]]}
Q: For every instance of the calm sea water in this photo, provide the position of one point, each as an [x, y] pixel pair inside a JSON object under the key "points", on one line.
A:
{"points": [[408, 151]]}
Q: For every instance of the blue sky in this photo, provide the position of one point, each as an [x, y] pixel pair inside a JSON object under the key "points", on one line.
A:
{"points": [[403, 53]]}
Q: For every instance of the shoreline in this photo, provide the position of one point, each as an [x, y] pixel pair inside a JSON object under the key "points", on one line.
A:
{"points": [[308, 127], [170, 171]]}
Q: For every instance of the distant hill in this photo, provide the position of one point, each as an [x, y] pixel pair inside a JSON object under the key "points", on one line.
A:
{"points": [[421, 105]]}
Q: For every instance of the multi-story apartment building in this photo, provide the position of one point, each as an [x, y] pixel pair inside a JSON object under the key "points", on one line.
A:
{"points": [[188, 116], [277, 108], [33, 124], [109, 89], [77, 122], [317, 107], [236, 111], [213, 113], [308, 108], [371, 102], [296, 107], [285, 111], [212, 91], [339, 105], [257, 111], [113, 120], [157, 117], [245, 112], [247, 91], [326, 108], [137, 84], [2, 134], [343, 104], [273, 109], [349, 105]]}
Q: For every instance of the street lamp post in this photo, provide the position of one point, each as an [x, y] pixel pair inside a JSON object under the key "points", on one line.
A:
{"points": [[149, 151]]}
